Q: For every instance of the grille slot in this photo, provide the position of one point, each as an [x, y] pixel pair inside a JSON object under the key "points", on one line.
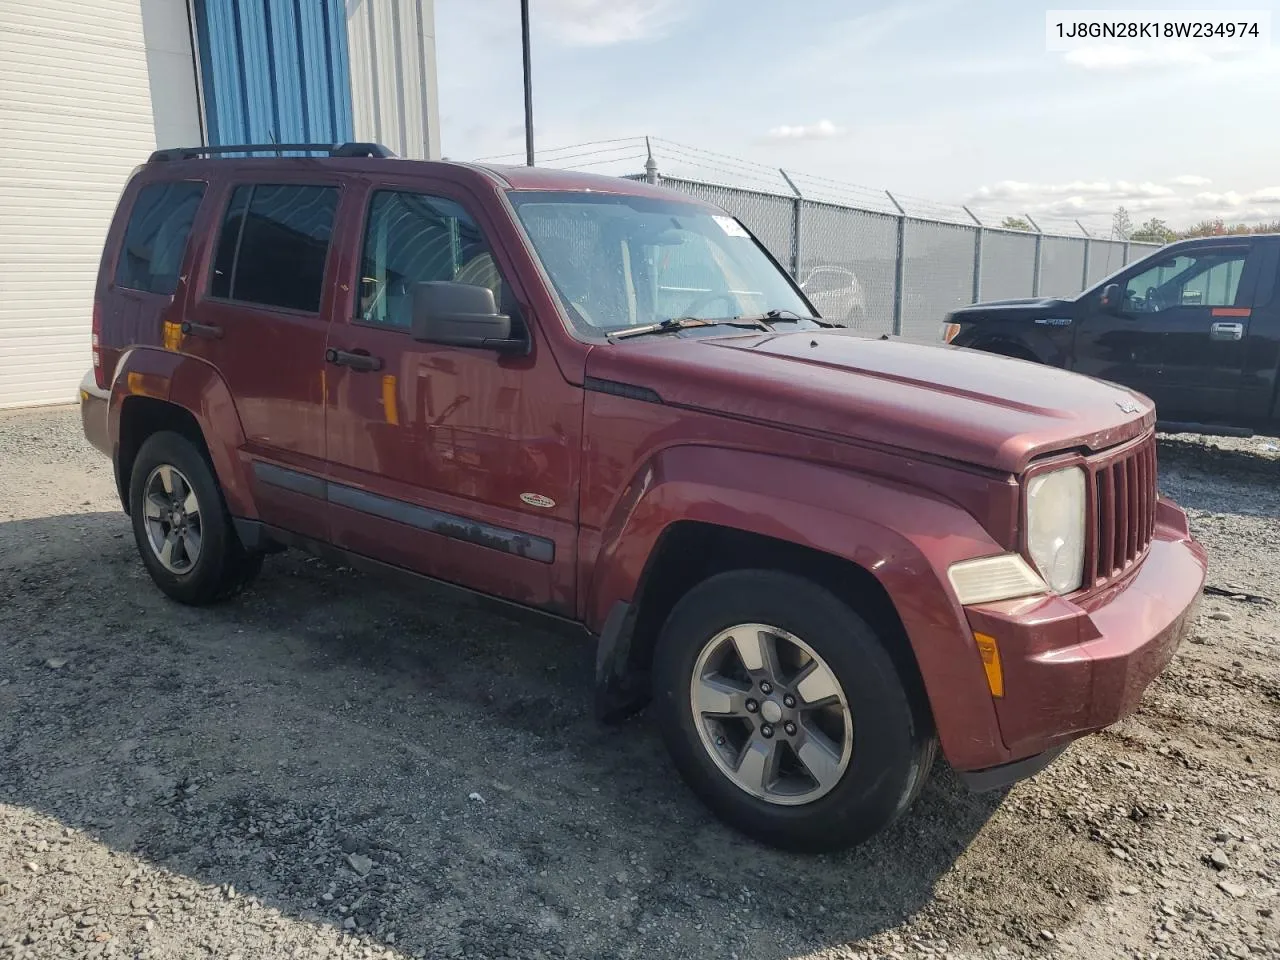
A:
{"points": [[1123, 510]]}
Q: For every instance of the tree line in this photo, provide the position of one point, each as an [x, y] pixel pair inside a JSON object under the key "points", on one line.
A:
{"points": [[1156, 230]]}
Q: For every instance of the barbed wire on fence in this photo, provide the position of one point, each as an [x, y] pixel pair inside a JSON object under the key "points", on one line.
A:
{"points": [[625, 156], [880, 262]]}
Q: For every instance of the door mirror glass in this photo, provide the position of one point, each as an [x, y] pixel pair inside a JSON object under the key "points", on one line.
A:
{"points": [[461, 315], [1112, 298]]}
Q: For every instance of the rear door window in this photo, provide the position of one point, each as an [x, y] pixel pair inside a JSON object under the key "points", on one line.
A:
{"points": [[155, 240], [273, 245]]}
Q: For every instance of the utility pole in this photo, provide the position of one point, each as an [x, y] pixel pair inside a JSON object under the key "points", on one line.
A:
{"points": [[528, 83]]}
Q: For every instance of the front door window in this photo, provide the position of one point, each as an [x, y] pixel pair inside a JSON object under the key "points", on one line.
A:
{"points": [[1210, 278]]}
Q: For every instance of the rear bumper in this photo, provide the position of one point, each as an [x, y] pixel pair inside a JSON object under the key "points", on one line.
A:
{"points": [[95, 403], [1072, 667]]}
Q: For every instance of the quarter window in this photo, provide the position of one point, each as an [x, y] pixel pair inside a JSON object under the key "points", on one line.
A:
{"points": [[155, 241], [273, 245], [413, 238]]}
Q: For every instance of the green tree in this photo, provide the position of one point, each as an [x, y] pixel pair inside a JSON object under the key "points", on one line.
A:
{"points": [[1121, 224], [1017, 223], [1154, 230]]}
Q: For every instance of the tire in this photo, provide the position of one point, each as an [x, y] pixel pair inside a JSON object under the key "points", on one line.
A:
{"points": [[889, 735], [221, 567]]}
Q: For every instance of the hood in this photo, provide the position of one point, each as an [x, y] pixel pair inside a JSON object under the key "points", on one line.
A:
{"points": [[964, 405], [1029, 306]]}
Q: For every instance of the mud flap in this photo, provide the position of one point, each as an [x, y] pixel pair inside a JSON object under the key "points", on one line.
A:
{"points": [[621, 690]]}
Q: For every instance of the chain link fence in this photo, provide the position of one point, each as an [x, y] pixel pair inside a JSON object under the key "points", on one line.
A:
{"points": [[881, 272]]}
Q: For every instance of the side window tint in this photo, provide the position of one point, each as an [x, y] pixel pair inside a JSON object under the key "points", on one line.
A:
{"points": [[411, 238], [273, 245], [1203, 279], [224, 257], [155, 240]]}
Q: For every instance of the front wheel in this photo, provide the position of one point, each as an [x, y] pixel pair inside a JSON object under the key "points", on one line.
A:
{"points": [[181, 525], [785, 713]]}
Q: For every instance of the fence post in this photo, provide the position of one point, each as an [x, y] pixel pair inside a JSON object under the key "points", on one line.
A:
{"points": [[1126, 252], [1088, 250], [900, 267], [797, 207], [977, 256], [1035, 273], [650, 165]]}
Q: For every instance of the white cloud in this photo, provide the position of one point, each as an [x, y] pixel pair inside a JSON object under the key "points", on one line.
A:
{"points": [[1266, 195], [822, 130], [1190, 180], [1121, 57], [1074, 191], [598, 23], [1218, 201]]}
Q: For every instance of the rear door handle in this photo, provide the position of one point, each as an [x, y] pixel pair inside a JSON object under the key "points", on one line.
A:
{"points": [[1226, 331], [356, 361], [206, 330]]}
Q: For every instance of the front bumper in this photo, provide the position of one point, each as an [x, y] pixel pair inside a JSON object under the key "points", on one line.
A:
{"points": [[95, 403], [1074, 666]]}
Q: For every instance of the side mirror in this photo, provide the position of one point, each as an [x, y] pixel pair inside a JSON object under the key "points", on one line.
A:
{"points": [[462, 315], [1112, 298]]}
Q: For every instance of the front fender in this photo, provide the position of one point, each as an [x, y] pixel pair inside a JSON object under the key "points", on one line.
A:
{"points": [[197, 388], [904, 538]]}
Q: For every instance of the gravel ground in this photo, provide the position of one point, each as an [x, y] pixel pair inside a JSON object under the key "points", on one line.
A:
{"points": [[336, 766]]}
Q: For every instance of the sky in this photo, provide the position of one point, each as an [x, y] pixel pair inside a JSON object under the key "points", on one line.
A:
{"points": [[949, 101]]}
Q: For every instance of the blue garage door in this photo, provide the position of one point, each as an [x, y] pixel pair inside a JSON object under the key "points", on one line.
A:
{"points": [[274, 71]]}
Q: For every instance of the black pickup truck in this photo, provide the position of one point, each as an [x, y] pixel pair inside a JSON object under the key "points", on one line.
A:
{"points": [[1195, 326]]}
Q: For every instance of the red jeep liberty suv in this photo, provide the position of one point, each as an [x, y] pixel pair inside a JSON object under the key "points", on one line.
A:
{"points": [[817, 556]]}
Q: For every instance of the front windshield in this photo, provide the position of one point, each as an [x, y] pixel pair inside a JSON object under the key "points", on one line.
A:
{"points": [[621, 261]]}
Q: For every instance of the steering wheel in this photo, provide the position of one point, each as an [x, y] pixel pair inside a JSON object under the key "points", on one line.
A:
{"points": [[706, 300]]}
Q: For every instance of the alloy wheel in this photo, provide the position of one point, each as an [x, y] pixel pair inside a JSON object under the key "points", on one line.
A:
{"points": [[771, 714], [172, 516]]}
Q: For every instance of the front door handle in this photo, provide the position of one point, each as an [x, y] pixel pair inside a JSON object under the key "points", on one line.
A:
{"points": [[356, 361], [207, 330], [1226, 331]]}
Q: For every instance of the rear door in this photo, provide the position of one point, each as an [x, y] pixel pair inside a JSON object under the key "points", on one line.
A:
{"points": [[261, 319], [1262, 345]]}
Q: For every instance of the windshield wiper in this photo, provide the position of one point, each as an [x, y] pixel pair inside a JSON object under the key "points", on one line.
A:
{"points": [[787, 315], [687, 323]]}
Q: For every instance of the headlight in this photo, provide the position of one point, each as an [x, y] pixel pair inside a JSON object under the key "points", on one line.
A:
{"points": [[1055, 527]]}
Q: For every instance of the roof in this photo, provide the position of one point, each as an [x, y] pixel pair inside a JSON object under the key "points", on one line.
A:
{"points": [[548, 178], [371, 156]]}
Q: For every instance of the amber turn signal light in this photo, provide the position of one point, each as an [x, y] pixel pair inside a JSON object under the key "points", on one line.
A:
{"points": [[991, 663], [949, 331]]}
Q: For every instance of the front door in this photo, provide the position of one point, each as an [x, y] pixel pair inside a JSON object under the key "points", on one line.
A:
{"points": [[261, 320], [1179, 332], [459, 463]]}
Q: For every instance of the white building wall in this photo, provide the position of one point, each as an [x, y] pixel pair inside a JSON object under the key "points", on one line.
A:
{"points": [[75, 119], [394, 98]]}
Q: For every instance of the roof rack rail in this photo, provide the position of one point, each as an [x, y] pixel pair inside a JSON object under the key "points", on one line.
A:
{"points": [[332, 149]]}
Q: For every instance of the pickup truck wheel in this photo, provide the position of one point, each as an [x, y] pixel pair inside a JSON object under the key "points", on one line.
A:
{"points": [[784, 712], [181, 525]]}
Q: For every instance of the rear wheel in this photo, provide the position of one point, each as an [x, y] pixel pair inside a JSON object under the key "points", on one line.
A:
{"points": [[181, 524], [785, 712]]}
